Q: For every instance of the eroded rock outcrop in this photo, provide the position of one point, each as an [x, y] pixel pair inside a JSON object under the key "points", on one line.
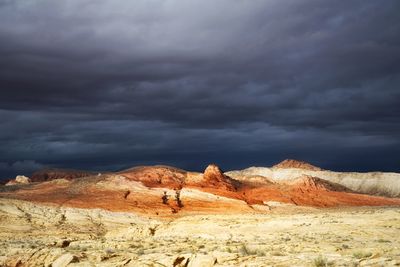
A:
{"points": [[214, 177], [157, 176], [20, 179]]}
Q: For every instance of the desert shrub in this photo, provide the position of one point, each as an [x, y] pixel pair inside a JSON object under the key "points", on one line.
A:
{"points": [[245, 250], [383, 240], [140, 251], [165, 198], [178, 199], [321, 261], [361, 254]]}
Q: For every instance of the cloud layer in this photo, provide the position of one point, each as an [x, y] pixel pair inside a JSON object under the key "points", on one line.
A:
{"points": [[109, 84]]}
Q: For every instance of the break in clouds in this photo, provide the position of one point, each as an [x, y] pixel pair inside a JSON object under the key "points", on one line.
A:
{"points": [[104, 85]]}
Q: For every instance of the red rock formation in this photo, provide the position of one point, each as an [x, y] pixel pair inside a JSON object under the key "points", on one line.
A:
{"points": [[215, 178], [125, 192], [157, 176], [291, 163]]}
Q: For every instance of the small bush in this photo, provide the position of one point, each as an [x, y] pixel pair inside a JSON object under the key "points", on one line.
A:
{"points": [[383, 241], [243, 250], [165, 198], [178, 199], [322, 262], [361, 254], [246, 251]]}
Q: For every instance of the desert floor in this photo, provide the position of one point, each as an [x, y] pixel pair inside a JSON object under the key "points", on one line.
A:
{"points": [[35, 235]]}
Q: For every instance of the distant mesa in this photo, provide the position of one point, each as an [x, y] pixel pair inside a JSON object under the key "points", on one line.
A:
{"points": [[296, 164], [52, 174]]}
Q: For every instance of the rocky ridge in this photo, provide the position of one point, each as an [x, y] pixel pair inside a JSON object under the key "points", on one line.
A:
{"points": [[373, 183], [164, 191], [53, 174]]}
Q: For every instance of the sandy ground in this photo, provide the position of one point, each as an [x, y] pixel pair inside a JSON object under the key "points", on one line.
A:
{"points": [[35, 235]]}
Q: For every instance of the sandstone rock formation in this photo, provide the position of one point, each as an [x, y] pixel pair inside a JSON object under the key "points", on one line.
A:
{"points": [[20, 179], [376, 183], [157, 176], [164, 191], [213, 177]]}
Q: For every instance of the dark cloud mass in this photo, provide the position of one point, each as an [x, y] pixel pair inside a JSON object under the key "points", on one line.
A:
{"points": [[110, 84]]}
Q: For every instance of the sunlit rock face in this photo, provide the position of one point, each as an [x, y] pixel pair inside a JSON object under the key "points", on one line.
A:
{"points": [[372, 183], [214, 177], [156, 176], [20, 179]]}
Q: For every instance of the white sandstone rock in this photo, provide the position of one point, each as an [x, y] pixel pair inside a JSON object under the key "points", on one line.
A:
{"points": [[63, 260]]}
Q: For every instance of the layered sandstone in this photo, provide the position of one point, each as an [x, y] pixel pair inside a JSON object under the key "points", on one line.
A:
{"points": [[375, 183]]}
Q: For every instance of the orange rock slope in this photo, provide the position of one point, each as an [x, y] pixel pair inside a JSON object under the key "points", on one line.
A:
{"points": [[168, 191]]}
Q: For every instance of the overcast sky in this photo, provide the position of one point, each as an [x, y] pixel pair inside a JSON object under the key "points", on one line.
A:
{"points": [[105, 85]]}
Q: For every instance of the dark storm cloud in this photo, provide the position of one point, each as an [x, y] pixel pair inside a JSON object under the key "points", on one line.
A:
{"points": [[106, 84]]}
